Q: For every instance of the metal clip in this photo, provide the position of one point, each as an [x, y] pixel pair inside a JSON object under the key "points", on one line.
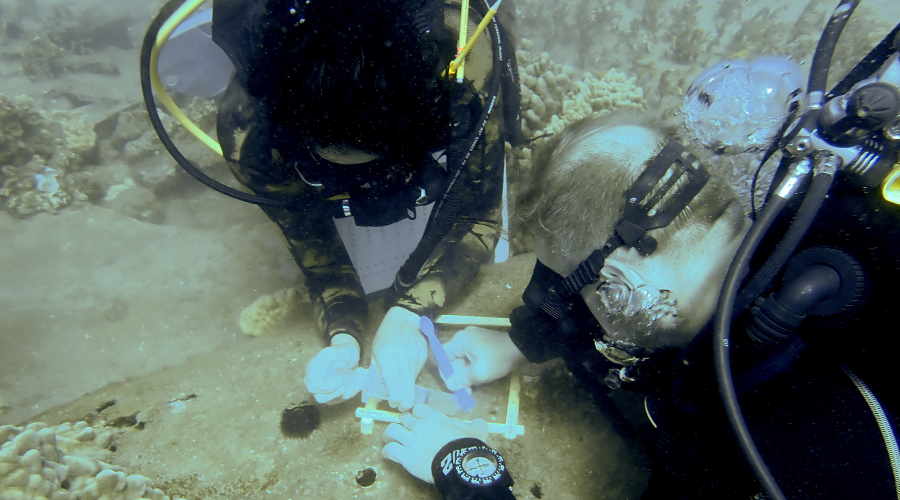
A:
{"points": [[423, 198]]}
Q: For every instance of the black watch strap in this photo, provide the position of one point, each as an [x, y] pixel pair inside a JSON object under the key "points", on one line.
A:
{"points": [[468, 469]]}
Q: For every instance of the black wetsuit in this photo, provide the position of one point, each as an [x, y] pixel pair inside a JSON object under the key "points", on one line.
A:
{"points": [[811, 424]]}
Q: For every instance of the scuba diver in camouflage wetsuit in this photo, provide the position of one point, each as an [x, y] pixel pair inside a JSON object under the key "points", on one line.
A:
{"points": [[344, 108]]}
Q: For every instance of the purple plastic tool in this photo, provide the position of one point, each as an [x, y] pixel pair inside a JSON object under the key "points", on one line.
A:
{"points": [[463, 398]]}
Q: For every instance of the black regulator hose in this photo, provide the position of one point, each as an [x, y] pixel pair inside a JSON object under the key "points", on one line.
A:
{"points": [[146, 88], [721, 332], [821, 63], [869, 64], [818, 78], [812, 202], [729, 297], [447, 208]]}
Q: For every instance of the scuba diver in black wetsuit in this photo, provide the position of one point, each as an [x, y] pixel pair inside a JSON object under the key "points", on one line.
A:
{"points": [[697, 278], [347, 108]]}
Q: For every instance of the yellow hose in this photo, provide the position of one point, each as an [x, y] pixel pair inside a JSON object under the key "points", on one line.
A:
{"points": [[461, 57], [177, 18], [891, 187]]}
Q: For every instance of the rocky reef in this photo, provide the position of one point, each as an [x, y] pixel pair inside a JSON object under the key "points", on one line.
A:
{"points": [[53, 159], [41, 157]]}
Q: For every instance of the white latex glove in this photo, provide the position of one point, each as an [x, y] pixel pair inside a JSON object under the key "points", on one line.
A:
{"points": [[326, 372], [398, 352], [414, 442], [479, 355]]}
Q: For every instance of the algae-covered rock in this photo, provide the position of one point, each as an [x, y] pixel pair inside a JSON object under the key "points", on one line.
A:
{"points": [[133, 200], [23, 131], [43, 60], [133, 139], [78, 135], [41, 186], [40, 155]]}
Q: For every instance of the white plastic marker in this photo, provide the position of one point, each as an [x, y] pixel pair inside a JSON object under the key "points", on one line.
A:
{"points": [[370, 382], [463, 398], [366, 423], [394, 418], [463, 35], [512, 408], [449, 319]]}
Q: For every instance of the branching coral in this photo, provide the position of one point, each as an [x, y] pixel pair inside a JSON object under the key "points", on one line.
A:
{"points": [[553, 97], [65, 462]]}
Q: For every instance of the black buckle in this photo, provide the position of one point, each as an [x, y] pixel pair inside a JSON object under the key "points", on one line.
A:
{"points": [[555, 304], [641, 200]]}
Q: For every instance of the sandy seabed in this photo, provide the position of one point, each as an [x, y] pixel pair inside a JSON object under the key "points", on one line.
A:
{"points": [[134, 323], [111, 319]]}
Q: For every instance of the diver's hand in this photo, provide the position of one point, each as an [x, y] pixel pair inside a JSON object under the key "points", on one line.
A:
{"points": [[419, 436], [479, 355], [398, 352], [327, 371]]}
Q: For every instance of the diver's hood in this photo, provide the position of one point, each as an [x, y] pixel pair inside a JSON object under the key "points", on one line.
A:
{"points": [[243, 28]]}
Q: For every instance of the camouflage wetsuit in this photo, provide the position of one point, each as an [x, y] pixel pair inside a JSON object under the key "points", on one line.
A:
{"points": [[251, 144]]}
